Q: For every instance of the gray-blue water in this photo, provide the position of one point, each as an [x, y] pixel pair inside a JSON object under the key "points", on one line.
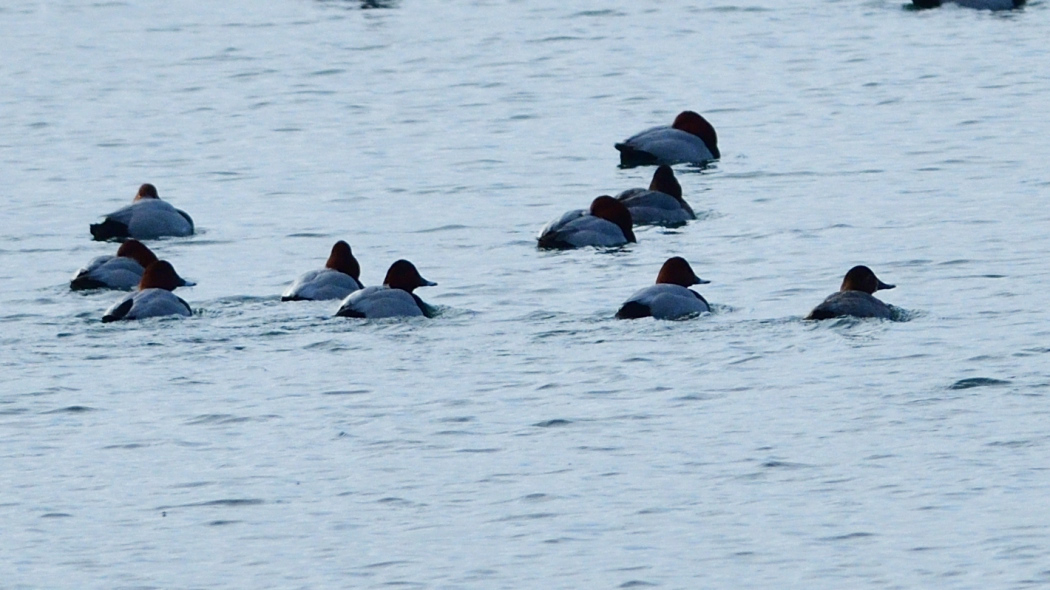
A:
{"points": [[524, 438]]}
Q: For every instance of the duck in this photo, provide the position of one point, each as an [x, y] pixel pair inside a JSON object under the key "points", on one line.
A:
{"points": [[121, 272], [338, 278], [660, 204], [670, 298], [394, 298], [606, 224], [854, 298], [154, 297], [689, 139], [146, 218], [978, 4]]}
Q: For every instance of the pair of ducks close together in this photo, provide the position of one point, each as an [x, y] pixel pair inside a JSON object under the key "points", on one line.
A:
{"points": [[608, 223]]}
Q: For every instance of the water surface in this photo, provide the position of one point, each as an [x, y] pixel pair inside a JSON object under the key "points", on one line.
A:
{"points": [[524, 438]]}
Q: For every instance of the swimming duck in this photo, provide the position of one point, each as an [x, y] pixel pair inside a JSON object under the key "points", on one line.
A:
{"points": [[670, 298], [660, 204], [393, 299], [689, 139], [855, 298], [154, 297], [606, 224], [122, 271], [146, 218], [336, 280]]}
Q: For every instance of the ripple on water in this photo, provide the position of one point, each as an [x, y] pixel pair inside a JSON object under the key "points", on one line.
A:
{"points": [[553, 423], [71, 410], [347, 392], [973, 382], [848, 537], [224, 419], [223, 503]]}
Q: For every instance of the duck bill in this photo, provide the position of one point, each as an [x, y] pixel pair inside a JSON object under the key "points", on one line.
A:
{"points": [[427, 283], [884, 286], [700, 281], [185, 283]]}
